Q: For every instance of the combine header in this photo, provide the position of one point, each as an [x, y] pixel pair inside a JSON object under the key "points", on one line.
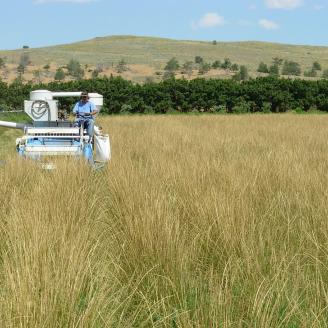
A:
{"points": [[51, 134]]}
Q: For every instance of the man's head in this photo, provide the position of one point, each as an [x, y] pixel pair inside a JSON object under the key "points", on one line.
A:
{"points": [[84, 96]]}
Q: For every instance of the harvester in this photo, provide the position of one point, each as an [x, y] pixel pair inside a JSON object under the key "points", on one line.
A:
{"points": [[52, 134]]}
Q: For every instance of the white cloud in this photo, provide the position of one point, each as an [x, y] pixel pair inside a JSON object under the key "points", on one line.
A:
{"points": [[209, 20], [284, 4], [41, 2], [268, 25]]}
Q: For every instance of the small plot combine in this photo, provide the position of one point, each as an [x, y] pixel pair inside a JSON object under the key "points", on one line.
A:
{"points": [[52, 134]]}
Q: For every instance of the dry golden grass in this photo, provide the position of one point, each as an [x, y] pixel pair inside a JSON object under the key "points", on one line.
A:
{"points": [[198, 221], [136, 73]]}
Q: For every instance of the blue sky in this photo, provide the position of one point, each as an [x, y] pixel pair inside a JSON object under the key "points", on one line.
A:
{"points": [[39, 23]]}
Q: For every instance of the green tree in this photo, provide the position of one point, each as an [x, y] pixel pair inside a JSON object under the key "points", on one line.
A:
{"points": [[2, 63], [274, 70], [291, 68], [234, 67], [277, 61], [60, 74], [121, 66], [214, 42], [172, 65], [75, 69], [263, 68], [204, 68], [46, 67], [216, 64], [242, 75], [199, 60], [26, 47], [325, 74], [316, 66], [187, 68], [311, 73], [226, 64]]}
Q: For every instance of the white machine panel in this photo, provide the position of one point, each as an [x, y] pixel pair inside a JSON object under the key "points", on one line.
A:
{"points": [[42, 110]]}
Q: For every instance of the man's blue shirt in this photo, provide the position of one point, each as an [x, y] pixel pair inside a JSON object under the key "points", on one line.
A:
{"points": [[84, 109]]}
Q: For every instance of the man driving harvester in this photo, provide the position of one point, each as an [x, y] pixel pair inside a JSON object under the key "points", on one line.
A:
{"points": [[84, 111]]}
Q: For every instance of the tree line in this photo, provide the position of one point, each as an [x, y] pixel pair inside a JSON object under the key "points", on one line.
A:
{"points": [[290, 67], [199, 64], [263, 94]]}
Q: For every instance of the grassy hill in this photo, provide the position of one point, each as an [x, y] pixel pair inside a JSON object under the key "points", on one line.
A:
{"points": [[153, 53]]}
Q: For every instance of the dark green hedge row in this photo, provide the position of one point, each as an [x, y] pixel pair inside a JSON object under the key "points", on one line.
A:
{"points": [[121, 96]]}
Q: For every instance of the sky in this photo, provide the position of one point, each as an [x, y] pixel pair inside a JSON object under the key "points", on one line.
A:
{"points": [[39, 23]]}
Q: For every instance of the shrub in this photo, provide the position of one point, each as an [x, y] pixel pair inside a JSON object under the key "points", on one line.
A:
{"points": [[126, 109], [217, 109], [266, 107], [311, 73], [60, 74], [199, 60], [274, 70], [172, 65], [74, 69], [234, 67], [226, 64], [204, 68], [325, 74], [187, 68], [242, 75], [263, 68], [242, 107], [291, 68], [316, 66], [121, 66], [216, 64]]}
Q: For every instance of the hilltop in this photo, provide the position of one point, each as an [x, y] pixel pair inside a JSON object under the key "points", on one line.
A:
{"points": [[147, 55]]}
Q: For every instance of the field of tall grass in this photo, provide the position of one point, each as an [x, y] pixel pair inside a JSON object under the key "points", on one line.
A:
{"points": [[198, 221]]}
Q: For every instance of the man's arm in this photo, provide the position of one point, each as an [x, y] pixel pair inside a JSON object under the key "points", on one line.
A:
{"points": [[94, 110], [76, 109]]}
